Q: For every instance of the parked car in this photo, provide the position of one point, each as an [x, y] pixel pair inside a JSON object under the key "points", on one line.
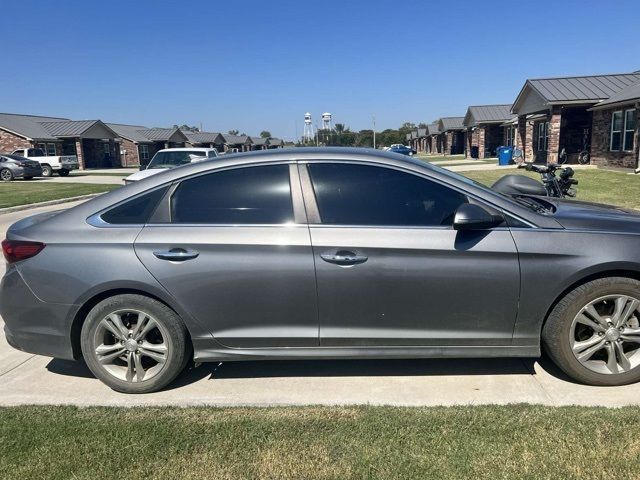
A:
{"points": [[171, 158], [14, 166], [402, 149], [60, 164], [323, 253]]}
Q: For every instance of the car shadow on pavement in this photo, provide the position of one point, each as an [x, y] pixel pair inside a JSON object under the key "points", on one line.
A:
{"points": [[339, 368]]}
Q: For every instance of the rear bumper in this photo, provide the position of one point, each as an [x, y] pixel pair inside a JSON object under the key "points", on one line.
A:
{"points": [[32, 325], [68, 166]]}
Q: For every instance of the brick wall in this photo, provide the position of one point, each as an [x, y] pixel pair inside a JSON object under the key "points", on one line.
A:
{"points": [[9, 142], [601, 140], [554, 134], [524, 137], [132, 158]]}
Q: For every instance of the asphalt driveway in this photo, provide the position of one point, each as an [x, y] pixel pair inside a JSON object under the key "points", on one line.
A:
{"points": [[31, 379]]}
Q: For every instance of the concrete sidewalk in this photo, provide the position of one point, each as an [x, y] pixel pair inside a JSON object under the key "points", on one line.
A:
{"points": [[30, 379]]}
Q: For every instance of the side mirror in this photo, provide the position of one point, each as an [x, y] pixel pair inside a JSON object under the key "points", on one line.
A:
{"points": [[473, 217]]}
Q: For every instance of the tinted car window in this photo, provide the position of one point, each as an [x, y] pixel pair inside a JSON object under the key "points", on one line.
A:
{"points": [[366, 195], [260, 195], [135, 211]]}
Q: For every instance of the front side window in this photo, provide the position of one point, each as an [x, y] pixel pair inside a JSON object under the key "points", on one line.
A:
{"points": [[629, 130], [616, 131], [249, 195], [349, 194]]}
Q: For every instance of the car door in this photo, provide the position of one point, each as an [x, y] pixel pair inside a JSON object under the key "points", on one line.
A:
{"points": [[390, 268], [234, 250]]}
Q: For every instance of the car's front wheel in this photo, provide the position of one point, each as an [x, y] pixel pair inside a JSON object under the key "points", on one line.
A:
{"points": [[134, 344], [593, 333], [6, 175]]}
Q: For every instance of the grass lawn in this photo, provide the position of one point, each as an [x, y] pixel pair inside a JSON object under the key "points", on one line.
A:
{"points": [[24, 192], [603, 186], [319, 443]]}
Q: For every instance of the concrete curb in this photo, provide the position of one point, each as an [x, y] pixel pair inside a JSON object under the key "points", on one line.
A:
{"points": [[29, 206]]}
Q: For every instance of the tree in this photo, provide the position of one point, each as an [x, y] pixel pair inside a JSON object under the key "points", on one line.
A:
{"points": [[265, 134], [186, 128], [234, 132]]}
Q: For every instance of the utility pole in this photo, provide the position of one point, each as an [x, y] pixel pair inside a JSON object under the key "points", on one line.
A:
{"points": [[374, 130]]}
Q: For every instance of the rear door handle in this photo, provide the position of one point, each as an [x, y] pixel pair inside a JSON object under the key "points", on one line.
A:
{"points": [[176, 254], [344, 257]]}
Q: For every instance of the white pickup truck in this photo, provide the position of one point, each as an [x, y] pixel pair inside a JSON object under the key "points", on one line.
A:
{"points": [[62, 165]]}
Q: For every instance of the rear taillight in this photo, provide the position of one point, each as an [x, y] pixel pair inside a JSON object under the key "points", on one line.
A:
{"points": [[16, 250]]}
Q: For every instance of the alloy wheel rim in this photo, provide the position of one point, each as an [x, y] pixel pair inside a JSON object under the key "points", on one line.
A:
{"points": [[131, 345], [605, 334], [6, 175]]}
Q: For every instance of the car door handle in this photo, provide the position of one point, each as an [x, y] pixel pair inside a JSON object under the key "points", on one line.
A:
{"points": [[344, 257], [176, 254]]}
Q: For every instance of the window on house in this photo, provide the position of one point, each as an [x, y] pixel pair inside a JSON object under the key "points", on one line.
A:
{"points": [[543, 136], [51, 149], [629, 130], [616, 131], [105, 147], [144, 152]]}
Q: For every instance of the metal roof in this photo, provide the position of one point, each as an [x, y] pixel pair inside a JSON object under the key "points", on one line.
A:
{"points": [[204, 137], [276, 141], [422, 132], [161, 134], [451, 123], [28, 126], [626, 95], [433, 129], [234, 139], [414, 134], [130, 132], [478, 114], [68, 128], [259, 140], [407, 136]]}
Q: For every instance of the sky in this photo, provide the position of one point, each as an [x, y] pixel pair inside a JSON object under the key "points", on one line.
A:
{"points": [[256, 65]]}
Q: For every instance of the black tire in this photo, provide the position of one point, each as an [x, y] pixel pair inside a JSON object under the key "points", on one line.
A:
{"points": [[63, 172], [6, 175], [178, 346], [47, 171], [556, 332]]}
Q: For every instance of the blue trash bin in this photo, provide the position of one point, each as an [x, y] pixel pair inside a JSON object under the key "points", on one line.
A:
{"points": [[505, 155]]}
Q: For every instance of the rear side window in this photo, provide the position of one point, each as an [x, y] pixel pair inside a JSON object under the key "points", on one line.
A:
{"points": [[135, 211], [350, 194], [249, 195]]}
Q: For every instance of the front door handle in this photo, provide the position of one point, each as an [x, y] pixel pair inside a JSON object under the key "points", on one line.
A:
{"points": [[344, 257], [176, 254]]}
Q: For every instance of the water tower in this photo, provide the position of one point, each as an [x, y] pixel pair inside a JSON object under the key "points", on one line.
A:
{"points": [[308, 134], [326, 121]]}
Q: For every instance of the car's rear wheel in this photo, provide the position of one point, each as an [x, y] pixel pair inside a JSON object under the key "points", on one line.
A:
{"points": [[593, 333], [63, 172], [6, 175], [47, 171], [134, 344]]}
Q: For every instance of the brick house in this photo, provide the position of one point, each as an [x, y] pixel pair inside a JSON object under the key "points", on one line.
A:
{"points": [[436, 139], [241, 143], [139, 144], [554, 114], [486, 130], [615, 134], [274, 142], [206, 140], [451, 135], [94, 143]]}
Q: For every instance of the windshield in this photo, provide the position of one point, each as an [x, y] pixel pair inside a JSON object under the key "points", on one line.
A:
{"points": [[175, 159]]}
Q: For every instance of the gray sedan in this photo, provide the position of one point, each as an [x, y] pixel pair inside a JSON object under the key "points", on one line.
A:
{"points": [[14, 166], [322, 253]]}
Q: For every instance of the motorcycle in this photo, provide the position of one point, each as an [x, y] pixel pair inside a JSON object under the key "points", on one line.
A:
{"points": [[552, 185]]}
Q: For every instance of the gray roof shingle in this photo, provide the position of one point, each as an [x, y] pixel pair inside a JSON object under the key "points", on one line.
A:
{"points": [[478, 114], [130, 132], [204, 137]]}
